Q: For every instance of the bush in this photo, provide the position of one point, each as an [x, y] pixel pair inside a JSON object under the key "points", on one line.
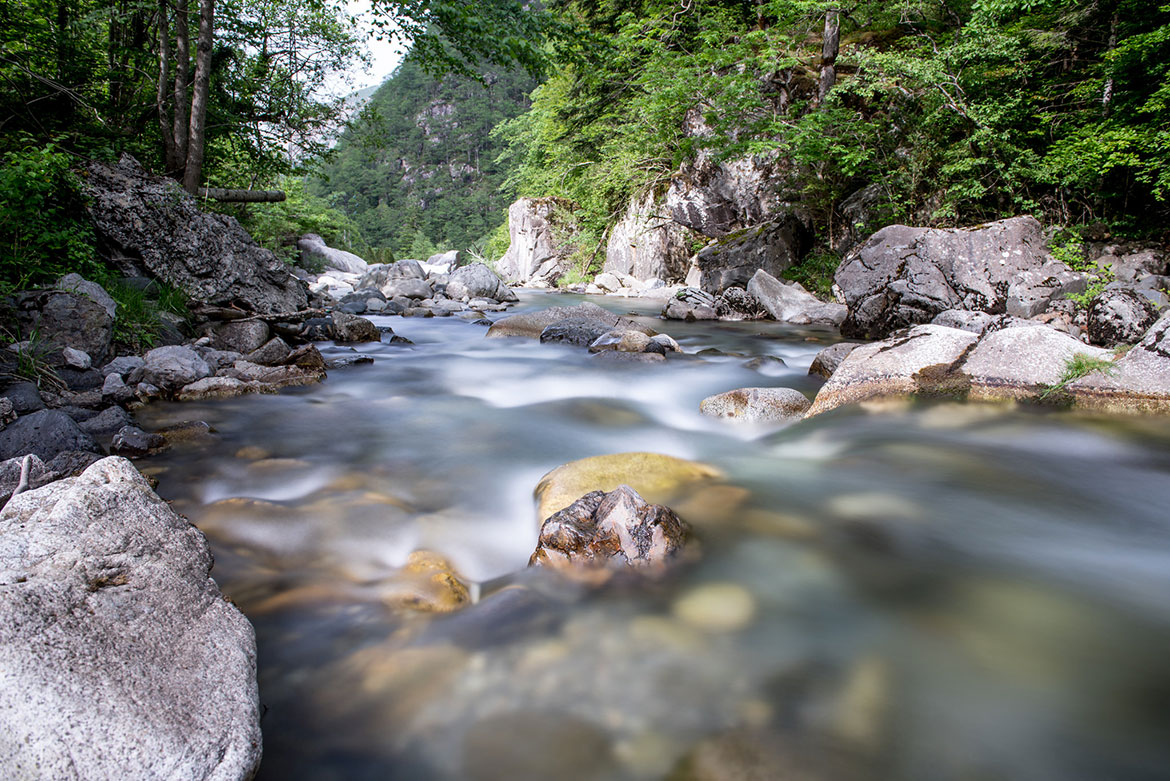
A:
{"points": [[44, 229]]}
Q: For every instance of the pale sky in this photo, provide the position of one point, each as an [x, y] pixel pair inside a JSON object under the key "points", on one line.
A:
{"points": [[385, 55]]}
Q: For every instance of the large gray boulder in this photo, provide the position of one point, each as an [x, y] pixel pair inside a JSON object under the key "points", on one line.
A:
{"points": [[757, 405], [379, 275], [1119, 316], [1139, 381], [149, 223], [536, 249], [647, 244], [736, 257], [905, 276], [75, 283], [119, 656], [61, 319], [477, 281], [314, 248], [789, 302], [46, 434], [173, 366]]}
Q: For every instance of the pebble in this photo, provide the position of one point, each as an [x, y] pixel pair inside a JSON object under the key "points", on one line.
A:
{"points": [[716, 607]]}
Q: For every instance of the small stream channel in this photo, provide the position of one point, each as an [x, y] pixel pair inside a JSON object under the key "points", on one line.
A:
{"points": [[936, 591]]}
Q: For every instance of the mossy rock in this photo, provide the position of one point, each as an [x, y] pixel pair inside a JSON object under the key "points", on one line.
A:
{"points": [[658, 478]]}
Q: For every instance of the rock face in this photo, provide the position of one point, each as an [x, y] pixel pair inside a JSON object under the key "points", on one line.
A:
{"points": [[477, 281], [647, 244], [535, 252], [615, 530], [150, 223], [733, 260], [789, 302], [904, 276], [757, 405], [1119, 316], [119, 657], [314, 248]]}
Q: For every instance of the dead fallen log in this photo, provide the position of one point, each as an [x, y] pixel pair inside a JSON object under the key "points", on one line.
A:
{"points": [[241, 196]]}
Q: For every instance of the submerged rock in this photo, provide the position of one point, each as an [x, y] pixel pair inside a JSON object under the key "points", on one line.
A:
{"points": [[606, 530], [657, 477], [119, 656], [426, 583], [532, 324], [757, 405]]}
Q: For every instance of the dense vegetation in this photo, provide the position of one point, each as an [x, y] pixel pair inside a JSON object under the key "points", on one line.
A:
{"points": [[953, 112], [418, 171]]}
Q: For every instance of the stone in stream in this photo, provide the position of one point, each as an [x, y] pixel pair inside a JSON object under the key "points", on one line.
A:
{"points": [[351, 328], [602, 530], [532, 324], [240, 336], [580, 332], [757, 405], [119, 656], [174, 366], [133, 442], [272, 353], [625, 341], [828, 359], [659, 478], [476, 280], [789, 302], [427, 583]]}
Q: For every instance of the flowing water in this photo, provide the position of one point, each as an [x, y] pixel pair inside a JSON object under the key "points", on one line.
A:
{"points": [[935, 591]]}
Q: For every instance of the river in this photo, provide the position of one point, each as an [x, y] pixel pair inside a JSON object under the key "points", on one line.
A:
{"points": [[928, 591]]}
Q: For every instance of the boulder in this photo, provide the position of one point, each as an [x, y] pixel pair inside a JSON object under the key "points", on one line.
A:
{"points": [[532, 324], [903, 276], [735, 303], [659, 478], [123, 366], [625, 341], [378, 275], [152, 221], [535, 250], [618, 529], [828, 359], [240, 336], [757, 405], [407, 288], [578, 331], [476, 280], [76, 359], [1119, 316], [173, 366], [647, 244], [119, 656], [691, 304], [1139, 381], [351, 328], [735, 258], [314, 249], [272, 353], [25, 397], [218, 388], [443, 262], [1022, 362], [133, 442], [789, 302], [62, 319], [307, 357], [75, 283], [107, 422], [45, 433]]}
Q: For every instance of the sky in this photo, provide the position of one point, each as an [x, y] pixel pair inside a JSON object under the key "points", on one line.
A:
{"points": [[385, 55]]}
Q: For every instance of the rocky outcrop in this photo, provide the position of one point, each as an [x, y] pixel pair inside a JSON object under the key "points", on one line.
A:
{"points": [[757, 405], [611, 530], [119, 656], [314, 250], [149, 223], [733, 259], [789, 302], [904, 276], [537, 246], [648, 244]]}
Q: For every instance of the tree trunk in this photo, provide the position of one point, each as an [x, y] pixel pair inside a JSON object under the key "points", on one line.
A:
{"points": [[182, 79], [195, 138], [1107, 92], [829, 49], [164, 87]]}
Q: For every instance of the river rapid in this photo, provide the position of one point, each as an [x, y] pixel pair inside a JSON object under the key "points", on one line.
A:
{"points": [[926, 591]]}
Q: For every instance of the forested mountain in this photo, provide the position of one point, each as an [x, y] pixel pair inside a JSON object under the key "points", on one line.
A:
{"points": [[949, 112], [418, 170]]}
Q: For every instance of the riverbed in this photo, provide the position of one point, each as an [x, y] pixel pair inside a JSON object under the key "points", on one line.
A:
{"points": [[926, 591]]}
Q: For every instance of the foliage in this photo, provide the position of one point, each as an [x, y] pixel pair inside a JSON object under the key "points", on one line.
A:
{"points": [[32, 362], [815, 272], [417, 171], [1076, 367], [43, 229], [141, 311], [1071, 252], [278, 226]]}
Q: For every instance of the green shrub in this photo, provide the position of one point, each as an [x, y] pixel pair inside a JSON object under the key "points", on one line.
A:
{"points": [[815, 271], [44, 230], [1076, 367], [1068, 248], [139, 315]]}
